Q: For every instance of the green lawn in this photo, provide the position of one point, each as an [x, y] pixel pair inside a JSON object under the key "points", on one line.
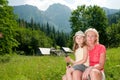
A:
{"points": [[112, 66], [50, 67]]}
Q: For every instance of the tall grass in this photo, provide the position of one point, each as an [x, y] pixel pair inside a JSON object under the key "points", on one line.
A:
{"points": [[51, 67], [112, 66], [33, 68]]}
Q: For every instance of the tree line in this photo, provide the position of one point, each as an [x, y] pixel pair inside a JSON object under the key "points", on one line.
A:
{"points": [[31, 36], [25, 37]]}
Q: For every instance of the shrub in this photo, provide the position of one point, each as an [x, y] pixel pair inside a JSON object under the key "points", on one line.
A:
{"points": [[5, 58]]}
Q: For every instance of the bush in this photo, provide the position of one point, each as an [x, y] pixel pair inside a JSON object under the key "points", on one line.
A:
{"points": [[5, 58]]}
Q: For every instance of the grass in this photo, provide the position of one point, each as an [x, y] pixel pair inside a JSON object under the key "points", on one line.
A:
{"points": [[33, 68], [51, 67], [112, 66]]}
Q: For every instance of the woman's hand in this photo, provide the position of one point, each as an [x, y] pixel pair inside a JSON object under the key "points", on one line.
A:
{"points": [[86, 73]]}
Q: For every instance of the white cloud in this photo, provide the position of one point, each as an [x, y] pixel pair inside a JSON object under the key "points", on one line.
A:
{"points": [[43, 4], [88, 2], [16, 2], [113, 4]]}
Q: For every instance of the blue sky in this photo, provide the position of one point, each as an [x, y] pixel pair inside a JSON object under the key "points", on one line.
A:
{"points": [[44, 4]]}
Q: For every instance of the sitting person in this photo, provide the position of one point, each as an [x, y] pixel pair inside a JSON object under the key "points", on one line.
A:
{"points": [[81, 56], [97, 57]]}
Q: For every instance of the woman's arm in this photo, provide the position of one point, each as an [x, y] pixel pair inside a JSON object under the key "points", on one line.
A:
{"points": [[85, 56], [100, 66]]}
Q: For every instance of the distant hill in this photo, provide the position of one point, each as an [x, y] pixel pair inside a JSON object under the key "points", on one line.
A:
{"points": [[27, 12], [110, 11], [60, 15], [56, 15], [113, 18]]}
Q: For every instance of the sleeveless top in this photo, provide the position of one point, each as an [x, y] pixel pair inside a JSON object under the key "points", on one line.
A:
{"points": [[79, 56]]}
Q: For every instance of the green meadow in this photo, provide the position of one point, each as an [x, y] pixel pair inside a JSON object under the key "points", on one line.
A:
{"points": [[17, 67]]}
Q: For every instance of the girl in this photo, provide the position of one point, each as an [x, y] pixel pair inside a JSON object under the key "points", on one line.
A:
{"points": [[81, 56]]}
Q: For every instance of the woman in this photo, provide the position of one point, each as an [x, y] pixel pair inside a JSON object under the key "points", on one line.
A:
{"points": [[97, 56], [81, 56]]}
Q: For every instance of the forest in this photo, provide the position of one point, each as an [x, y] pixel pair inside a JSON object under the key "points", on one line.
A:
{"points": [[22, 37]]}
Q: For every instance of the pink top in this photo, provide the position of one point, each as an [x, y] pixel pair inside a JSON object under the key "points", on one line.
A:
{"points": [[94, 54]]}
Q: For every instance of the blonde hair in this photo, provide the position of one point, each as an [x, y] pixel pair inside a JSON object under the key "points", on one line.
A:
{"points": [[96, 33]]}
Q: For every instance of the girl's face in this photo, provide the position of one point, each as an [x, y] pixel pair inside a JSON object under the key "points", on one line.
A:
{"points": [[79, 40], [91, 37]]}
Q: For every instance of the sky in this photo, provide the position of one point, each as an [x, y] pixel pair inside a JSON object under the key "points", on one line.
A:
{"points": [[44, 4]]}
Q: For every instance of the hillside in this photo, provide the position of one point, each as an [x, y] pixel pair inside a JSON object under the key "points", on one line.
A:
{"points": [[110, 11], [56, 15], [114, 18], [27, 12], [59, 15]]}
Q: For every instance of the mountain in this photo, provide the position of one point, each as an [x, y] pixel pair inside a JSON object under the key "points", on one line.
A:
{"points": [[28, 12], [114, 18], [110, 11], [60, 15], [113, 15], [56, 15]]}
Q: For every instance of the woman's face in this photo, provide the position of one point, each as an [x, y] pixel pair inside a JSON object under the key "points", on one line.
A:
{"points": [[91, 37], [79, 40]]}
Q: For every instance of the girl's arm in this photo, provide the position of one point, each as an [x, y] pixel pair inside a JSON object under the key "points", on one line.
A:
{"points": [[72, 61], [68, 59], [85, 56]]}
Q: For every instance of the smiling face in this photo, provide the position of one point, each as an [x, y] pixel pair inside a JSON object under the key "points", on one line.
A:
{"points": [[79, 40], [91, 37]]}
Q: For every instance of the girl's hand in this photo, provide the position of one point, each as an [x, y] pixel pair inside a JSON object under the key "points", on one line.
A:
{"points": [[67, 59], [69, 66], [75, 64]]}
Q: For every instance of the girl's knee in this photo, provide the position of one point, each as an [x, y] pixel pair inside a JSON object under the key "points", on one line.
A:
{"points": [[77, 73], [64, 77], [70, 70]]}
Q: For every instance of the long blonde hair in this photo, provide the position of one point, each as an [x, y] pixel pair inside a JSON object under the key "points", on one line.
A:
{"points": [[75, 45], [96, 34]]}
